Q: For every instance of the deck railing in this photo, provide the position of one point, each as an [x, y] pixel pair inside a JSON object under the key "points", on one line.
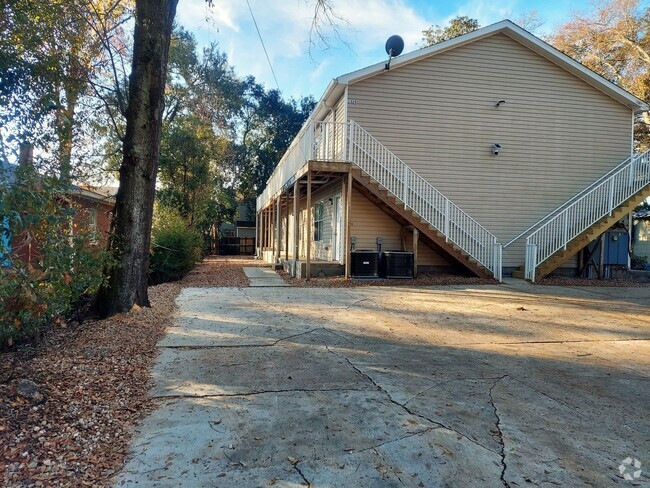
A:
{"points": [[582, 211], [417, 194], [320, 141], [349, 142]]}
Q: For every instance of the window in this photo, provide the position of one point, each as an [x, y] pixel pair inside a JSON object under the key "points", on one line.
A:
{"points": [[92, 219], [319, 219]]}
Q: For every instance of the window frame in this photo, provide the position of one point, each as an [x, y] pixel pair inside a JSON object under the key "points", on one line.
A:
{"points": [[319, 221]]}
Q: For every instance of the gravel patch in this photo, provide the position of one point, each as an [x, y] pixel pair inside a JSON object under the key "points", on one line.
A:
{"points": [[570, 281], [424, 279]]}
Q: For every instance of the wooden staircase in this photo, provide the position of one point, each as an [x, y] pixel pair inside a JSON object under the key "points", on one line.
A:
{"points": [[435, 239], [398, 188], [590, 234]]}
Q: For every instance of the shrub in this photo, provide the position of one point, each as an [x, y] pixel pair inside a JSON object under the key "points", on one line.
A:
{"points": [[65, 267], [639, 262], [175, 247]]}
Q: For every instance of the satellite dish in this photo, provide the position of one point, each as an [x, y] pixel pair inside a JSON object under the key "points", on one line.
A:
{"points": [[394, 46]]}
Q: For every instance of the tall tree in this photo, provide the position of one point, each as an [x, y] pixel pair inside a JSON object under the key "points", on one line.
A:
{"points": [[457, 27], [188, 152], [269, 125], [131, 237], [613, 41], [50, 52]]}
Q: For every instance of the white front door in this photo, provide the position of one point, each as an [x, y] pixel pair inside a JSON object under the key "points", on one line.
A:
{"points": [[336, 224]]}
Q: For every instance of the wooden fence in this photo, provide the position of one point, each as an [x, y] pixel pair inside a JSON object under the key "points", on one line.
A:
{"points": [[237, 246]]}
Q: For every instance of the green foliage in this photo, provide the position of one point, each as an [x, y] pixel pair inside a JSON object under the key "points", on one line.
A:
{"points": [[175, 247], [222, 137], [66, 266], [186, 169], [639, 262], [457, 27], [270, 128], [55, 63]]}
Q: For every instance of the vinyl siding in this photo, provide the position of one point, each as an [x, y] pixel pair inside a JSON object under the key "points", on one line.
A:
{"points": [[367, 222], [438, 115], [340, 115]]}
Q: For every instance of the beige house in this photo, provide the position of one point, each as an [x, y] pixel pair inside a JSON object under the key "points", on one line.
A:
{"points": [[492, 152]]}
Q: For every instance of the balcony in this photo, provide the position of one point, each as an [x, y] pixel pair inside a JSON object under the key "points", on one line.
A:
{"points": [[316, 141]]}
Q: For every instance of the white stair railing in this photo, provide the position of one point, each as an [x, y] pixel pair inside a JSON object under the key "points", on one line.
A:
{"points": [[417, 194], [585, 209]]}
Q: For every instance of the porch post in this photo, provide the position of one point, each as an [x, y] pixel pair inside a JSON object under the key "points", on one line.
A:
{"points": [[416, 238], [308, 233], [267, 244], [278, 211], [258, 229], [286, 230], [296, 196], [348, 240]]}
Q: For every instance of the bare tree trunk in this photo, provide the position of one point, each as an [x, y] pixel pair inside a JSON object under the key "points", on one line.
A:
{"points": [[131, 236], [65, 128]]}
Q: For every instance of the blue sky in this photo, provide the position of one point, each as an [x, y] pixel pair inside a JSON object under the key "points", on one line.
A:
{"points": [[284, 25]]}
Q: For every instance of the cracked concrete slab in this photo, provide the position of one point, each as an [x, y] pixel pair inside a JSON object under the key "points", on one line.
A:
{"points": [[245, 370], [508, 385]]}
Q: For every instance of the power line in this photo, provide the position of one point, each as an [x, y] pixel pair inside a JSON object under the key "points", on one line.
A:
{"points": [[263, 46]]}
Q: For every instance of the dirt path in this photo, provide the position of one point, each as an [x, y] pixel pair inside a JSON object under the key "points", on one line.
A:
{"points": [[221, 271]]}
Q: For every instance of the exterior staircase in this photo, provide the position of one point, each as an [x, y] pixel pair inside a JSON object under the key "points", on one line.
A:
{"points": [[442, 224], [435, 239], [590, 213]]}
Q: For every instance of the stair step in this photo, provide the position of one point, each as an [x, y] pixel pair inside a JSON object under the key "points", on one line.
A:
{"points": [[519, 274]]}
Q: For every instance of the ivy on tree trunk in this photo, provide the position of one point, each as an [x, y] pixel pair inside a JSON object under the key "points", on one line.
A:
{"points": [[131, 236]]}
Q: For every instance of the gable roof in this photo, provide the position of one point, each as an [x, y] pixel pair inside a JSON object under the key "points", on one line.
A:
{"points": [[507, 27]]}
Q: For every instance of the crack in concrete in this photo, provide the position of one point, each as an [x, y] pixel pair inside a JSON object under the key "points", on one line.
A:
{"points": [[392, 469], [236, 346], [502, 452], [272, 344], [445, 382], [253, 393], [420, 432], [404, 407], [559, 402], [299, 471], [570, 341]]}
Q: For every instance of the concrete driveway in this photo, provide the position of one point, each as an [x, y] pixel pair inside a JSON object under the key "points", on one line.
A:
{"points": [[512, 385]]}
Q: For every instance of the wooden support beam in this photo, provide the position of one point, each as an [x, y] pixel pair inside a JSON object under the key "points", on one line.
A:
{"points": [[258, 230], [308, 236], [277, 229], [348, 237], [416, 239], [296, 218], [286, 230], [268, 228]]}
